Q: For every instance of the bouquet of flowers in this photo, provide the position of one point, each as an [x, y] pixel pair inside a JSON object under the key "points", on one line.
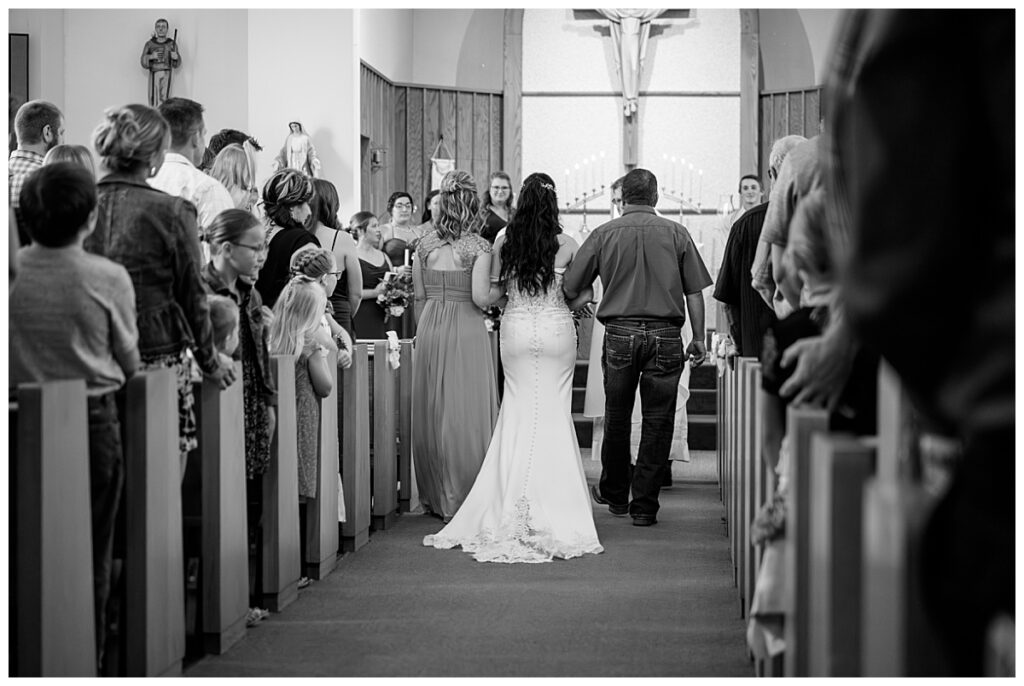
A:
{"points": [[397, 294], [492, 318]]}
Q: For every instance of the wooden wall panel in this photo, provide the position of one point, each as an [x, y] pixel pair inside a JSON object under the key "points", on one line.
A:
{"points": [[481, 138], [512, 99], [431, 131], [784, 113], [796, 113], [407, 121], [414, 134], [812, 114], [399, 159], [780, 113], [464, 132], [496, 127]]}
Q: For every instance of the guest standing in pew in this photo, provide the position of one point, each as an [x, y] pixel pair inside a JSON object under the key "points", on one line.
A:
{"points": [[78, 154], [346, 297], [455, 403], [375, 265], [238, 249], [296, 331], [937, 300], [286, 197], [318, 264], [72, 316], [154, 236]]}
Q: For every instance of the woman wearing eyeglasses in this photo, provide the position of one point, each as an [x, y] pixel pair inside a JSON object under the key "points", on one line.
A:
{"points": [[496, 205], [238, 247]]}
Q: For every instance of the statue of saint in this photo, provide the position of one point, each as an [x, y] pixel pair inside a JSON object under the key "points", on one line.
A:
{"points": [[630, 29], [298, 152], [160, 55]]}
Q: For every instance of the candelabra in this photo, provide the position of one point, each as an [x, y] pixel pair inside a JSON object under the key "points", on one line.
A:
{"points": [[684, 204], [581, 202]]}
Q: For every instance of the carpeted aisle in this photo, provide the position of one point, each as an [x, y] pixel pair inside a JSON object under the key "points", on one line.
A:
{"points": [[658, 602]]}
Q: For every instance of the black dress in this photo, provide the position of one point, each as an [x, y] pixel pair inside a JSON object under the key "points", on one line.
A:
{"points": [[369, 318], [493, 223]]}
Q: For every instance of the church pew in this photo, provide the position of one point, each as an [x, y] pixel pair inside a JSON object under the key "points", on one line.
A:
{"points": [[384, 507], [896, 639], [322, 513], [720, 429], [744, 422], [405, 464], [225, 549], [51, 591], [281, 551], [729, 453], [355, 450], [840, 466], [763, 489], [801, 424], [154, 631], [752, 383]]}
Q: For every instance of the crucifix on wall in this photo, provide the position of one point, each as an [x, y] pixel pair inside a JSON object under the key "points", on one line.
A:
{"points": [[630, 29]]}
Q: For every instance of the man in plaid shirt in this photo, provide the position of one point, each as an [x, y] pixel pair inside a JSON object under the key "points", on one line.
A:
{"points": [[39, 126]]}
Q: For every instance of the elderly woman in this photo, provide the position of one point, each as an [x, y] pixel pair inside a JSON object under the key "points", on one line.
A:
{"points": [[496, 205], [286, 198], [154, 235]]}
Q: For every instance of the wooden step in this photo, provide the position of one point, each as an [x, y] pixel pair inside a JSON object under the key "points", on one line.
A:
{"points": [[702, 401], [701, 431], [703, 377]]}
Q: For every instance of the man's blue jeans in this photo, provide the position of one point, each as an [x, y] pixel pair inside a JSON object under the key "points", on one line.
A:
{"points": [[648, 352]]}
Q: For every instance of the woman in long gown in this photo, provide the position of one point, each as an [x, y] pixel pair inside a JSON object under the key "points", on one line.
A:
{"points": [[455, 396], [530, 501]]}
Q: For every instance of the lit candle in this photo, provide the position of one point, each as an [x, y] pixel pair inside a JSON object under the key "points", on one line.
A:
{"points": [[691, 183], [682, 177], [586, 176], [593, 173], [673, 160], [576, 181], [406, 262], [700, 186], [604, 173]]}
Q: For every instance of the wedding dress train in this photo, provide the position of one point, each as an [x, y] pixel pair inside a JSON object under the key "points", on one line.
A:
{"points": [[530, 502]]}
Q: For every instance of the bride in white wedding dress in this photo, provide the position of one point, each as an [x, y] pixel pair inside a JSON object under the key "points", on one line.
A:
{"points": [[530, 502]]}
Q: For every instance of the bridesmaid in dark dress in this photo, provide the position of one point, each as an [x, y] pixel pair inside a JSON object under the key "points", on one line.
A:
{"points": [[368, 320], [496, 205]]}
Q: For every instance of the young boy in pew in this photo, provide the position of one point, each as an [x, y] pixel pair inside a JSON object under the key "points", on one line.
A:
{"points": [[72, 316]]}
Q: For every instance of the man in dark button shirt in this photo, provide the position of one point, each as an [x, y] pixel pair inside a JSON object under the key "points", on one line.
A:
{"points": [[649, 267]]}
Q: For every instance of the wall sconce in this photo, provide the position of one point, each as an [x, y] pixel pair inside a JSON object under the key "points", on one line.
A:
{"points": [[377, 158]]}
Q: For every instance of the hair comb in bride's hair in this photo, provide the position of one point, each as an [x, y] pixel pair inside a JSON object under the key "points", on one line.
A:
{"points": [[548, 186]]}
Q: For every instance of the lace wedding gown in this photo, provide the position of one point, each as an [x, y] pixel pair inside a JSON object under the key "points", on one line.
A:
{"points": [[529, 502]]}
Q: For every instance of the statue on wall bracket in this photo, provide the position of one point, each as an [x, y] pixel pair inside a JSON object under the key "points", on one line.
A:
{"points": [[298, 152], [160, 56]]}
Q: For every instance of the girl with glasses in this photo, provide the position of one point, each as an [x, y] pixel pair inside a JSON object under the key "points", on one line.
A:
{"points": [[238, 247]]}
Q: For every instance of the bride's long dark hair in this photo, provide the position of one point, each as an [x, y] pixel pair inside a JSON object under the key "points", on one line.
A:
{"points": [[531, 238]]}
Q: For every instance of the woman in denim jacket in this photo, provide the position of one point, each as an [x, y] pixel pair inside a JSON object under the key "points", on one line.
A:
{"points": [[155, 237]]}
